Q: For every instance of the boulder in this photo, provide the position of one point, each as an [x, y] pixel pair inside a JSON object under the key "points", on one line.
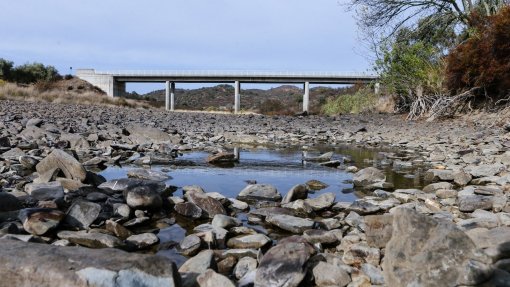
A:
{"points": [[190, 245], [38, 221], [224, 221], [139, 134], [210, 206], [368, 176], [284, 264], [59, 159], [9, 202], [322, 201], [470, 203], [56, 266], [188, 209], [45, 191], [244, 266], [143, 197], [327, 274], [195, 266], [254, 241], [212, 279], [379, 229], [433, 251], [254, 192], [222, 157], [314, 184], [148, 174], [299, 191], [141, 241], [91, 239]]}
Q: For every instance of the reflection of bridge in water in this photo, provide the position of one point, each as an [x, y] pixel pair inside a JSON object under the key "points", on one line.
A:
{"points": [[114, 82]]}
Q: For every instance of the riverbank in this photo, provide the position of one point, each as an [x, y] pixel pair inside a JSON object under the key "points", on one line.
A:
{"points": [[462, 214]]}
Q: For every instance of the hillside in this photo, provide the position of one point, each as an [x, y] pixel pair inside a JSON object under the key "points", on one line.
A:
{"points": [[283, 99]]}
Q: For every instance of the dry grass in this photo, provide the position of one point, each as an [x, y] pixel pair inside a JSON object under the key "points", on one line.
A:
{"points": [[34, 93]]}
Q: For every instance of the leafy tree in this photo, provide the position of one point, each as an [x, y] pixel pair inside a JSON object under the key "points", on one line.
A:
{"points": [[31, 73], [5, 69]]}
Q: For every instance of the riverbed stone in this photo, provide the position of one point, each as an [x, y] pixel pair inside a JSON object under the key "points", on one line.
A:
{"points": [[58, 266], [188, 209], [82, 214], [9, 202], [222, 157], [484, 170], [141, 241], [368, 176], [45, 191], [38, 221], [290, 223], [299, 191], [117, 229], [190, 245], [195, 266], [59, 159], [91, 239], [210, 206], [327, 274], [322, 201], [148, 174], [433, 187], [224, 221], [314, 184], [470, 203], [254, 241], [143, 197], [284, 264], [212, 279], [434, 251], [254, 192], [379, 229]]}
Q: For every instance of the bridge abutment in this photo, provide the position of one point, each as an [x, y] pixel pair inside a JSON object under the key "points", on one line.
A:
{"points": [[170, 96], [237, 97], [106, 83]]}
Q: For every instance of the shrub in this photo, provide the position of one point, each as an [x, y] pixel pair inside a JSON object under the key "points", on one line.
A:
{"points": [[483, 60], [361, 101]]}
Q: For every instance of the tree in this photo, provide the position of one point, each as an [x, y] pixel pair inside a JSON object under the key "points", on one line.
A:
{"points": [[5, 69], [31, 73]]}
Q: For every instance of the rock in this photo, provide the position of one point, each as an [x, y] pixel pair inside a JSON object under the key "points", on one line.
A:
{"points": [[124, 184], [143, 197], [327, 274], [434, 251], [255, 192], [122, 210], [244, 266], [224, 221], [433, 175], [378, 229], [254, 241], [117, 229], [76, 141], [139, 134], [469, 203], [39, 221], [321, 158], [222, 157], [360, 253], [82, 214], [461, 178], [210, 206], [141, 241], [45, 191], [9, 202], [485, 170], [212, 279], [314, 184], [59, 159], [300, 207], [190, 245], [195, 266], [322, 201], [363, 207], [299, 191], [284, 264], [315, 236], [188, 209], [375, 274], [148, 174], [13, 154], [28, 162], [239, 205], [91, 240], [433, 187], [226, 265], [35, 122], [290, 223], [368, 176], [58, 266]]}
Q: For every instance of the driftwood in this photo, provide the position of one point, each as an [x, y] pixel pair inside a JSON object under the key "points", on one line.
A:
{"points": [[437, 106]]}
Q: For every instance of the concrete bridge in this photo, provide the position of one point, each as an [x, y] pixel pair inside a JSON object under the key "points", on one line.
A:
{"points": [[114, 82]]}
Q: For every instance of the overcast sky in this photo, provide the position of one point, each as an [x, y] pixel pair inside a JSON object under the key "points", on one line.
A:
{"points": [[287, 35]]}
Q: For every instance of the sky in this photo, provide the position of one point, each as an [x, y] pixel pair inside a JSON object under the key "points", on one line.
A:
{"points": [[274, 35]]}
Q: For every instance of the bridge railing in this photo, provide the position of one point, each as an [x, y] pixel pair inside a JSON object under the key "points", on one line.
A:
{"points": [[232, 73]]}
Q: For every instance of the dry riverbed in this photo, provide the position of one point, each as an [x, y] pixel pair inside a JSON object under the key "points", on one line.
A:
{"points": [[63, 224]]}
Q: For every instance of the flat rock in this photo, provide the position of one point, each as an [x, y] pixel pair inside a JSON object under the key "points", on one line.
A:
{"points": [[222, 157], [259, 192], [210, 206], [38, 221], [195, 266], [143, 240], [485, 170], [190, 245], [82, 213], [212, 279], [290, 223], [327, 274], [45, 191], [148, 174], [188, 209], [92, 239], [244, 266], [124, 184], [368, 176], [322, 201], [254, 241], [470, 203], [56, 266]]}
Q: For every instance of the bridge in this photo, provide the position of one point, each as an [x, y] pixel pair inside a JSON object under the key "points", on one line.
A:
{"points": [[113, 83]]}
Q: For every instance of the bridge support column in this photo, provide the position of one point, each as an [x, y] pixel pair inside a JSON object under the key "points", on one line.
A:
{"points": [[306, 97], [377, 88], [170, 96], [237, 97]]}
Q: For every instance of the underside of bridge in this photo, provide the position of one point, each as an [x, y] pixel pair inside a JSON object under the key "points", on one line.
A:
{"points": [[114, 83]]}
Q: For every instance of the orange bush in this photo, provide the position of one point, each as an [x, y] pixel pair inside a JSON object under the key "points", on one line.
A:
{"points": [[483, 60]]}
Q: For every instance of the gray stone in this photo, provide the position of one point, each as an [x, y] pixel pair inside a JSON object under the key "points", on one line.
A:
{"points": [[433, 251], [462, 178], [222, 157], [117, 229], [433, 187], [139, 134], [469, 203], [254, 241], [484, 170], [195, 266], [91, 239], [433, 175], [58, 266], [259, 192], [190, 245], [359, 253], [315, 236], [244, 266], [363, 207], [378, 229], [148, 174], [59, 159], [210, 206], [188, 209], [9, 202], [284, 264], [375, 274], [368, 176], [314, 184], [124, 184], [327, 275], [290, 223], [299, 191], [82, 213], [322, 201], [143, 240], [143, 197], [212, 279], [224, 221], [45, 191]]}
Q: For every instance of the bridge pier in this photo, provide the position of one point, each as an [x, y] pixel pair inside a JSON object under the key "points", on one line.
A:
{"points": [[306, 97], [170, 96], [237, 97], [377, 88]]}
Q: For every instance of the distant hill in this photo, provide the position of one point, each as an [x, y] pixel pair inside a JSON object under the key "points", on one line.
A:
{"points": [[286, 99]]}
